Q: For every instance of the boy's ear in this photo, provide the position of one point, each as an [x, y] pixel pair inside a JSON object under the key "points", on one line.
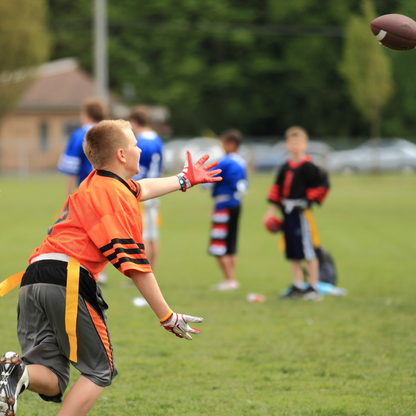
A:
{"points": [[120, 156]]}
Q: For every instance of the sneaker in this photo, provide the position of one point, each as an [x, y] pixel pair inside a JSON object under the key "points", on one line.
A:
{"points": [[226, 285], [14, 379], [293, 292], [311, 294]]}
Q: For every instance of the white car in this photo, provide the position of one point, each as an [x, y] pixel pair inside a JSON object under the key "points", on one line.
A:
{"points": [[376, 155]]}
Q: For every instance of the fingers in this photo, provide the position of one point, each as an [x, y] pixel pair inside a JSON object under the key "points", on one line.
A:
{"points": [[193, 330], [179, 325], [214, 172], [193, 319], [202, 160], [182, 332], [213, 179], [210, 165], [188, 159], [188, 329]]}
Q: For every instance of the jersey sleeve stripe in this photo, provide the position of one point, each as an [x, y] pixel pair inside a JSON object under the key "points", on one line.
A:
{"points": [[121, 241], [129, 260], [124, 250], [316, 194], [69, 165], [274, 194], [117, 251]]}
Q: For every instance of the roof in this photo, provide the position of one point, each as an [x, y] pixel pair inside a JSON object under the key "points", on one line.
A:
{"points": [[60, 85]]}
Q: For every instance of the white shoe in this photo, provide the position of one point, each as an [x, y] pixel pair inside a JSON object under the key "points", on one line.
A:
{"points": [[226, 285]]}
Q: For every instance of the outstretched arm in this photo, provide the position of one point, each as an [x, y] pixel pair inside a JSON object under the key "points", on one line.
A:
{"points": [[191, 175], [155, 187]]}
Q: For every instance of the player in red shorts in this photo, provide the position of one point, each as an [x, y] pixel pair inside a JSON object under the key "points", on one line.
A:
{"points": [[61, 311]]}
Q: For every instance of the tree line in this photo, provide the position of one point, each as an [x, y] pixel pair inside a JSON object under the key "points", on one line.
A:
{"points": [[257, 65]]}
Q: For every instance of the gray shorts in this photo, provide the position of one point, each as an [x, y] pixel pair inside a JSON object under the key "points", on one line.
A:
{"points": [[41, 325]]}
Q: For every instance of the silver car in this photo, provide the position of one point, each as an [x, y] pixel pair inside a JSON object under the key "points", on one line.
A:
{"points": [[265, 157], [375, 155]]}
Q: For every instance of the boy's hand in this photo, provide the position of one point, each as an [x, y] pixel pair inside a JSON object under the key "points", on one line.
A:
{"points": [[194, 174], [178, 325]]}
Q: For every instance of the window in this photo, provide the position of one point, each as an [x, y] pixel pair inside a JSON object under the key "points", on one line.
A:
{"points": [[68, 127], [44, 135]]}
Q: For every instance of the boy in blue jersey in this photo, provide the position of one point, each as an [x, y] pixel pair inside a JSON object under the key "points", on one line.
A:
{"points": [[151, 146], [227, 198], [73, 161]]}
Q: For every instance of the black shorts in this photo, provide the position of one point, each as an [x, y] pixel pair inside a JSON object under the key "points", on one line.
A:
{"points": [[224, 231], [301, 235], [41, 325]]}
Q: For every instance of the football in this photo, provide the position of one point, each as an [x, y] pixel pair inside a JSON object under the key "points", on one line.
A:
{"points": [[272, 224], [395, 31]]}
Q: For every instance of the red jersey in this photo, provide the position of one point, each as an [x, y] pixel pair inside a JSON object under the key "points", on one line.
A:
{"points": [[300, 180], [101, 222]]}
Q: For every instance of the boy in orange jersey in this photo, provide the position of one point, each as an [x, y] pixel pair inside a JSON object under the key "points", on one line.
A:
{"points": [[61, 311]]}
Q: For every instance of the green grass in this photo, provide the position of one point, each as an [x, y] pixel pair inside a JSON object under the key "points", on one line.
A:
{"points": [[342, 356]]}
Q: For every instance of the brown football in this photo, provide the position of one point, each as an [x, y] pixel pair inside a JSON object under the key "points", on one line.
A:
{"points": [[395, 31]]}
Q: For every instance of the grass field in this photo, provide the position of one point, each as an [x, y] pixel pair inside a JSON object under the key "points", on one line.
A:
{"points": [[342, 356]]}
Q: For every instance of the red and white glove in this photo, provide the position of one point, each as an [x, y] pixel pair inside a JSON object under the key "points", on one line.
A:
{"points": [[178, 324], [193, 174]]}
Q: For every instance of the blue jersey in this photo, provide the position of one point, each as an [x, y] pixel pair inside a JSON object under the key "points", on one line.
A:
{"points": [[151, 158], [73, 161], [229, 192]]}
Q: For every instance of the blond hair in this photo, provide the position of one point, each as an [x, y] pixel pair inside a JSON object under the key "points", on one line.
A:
{"points": [[103, 140], [296, 131]]}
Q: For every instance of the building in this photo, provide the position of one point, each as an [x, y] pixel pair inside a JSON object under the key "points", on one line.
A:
{"points": [[34, 134]]}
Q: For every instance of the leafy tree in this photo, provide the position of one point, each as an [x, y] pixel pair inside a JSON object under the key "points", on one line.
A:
{"points": [[24, 43], [256, 65], [366, 68]]}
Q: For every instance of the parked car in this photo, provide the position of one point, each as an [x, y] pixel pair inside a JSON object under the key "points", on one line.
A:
{"points": [[376, 155], [265, 157], [260, 156]]}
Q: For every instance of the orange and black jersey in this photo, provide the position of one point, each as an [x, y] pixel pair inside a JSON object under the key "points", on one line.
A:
{"points": [[100, 222], [300, 180]]}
